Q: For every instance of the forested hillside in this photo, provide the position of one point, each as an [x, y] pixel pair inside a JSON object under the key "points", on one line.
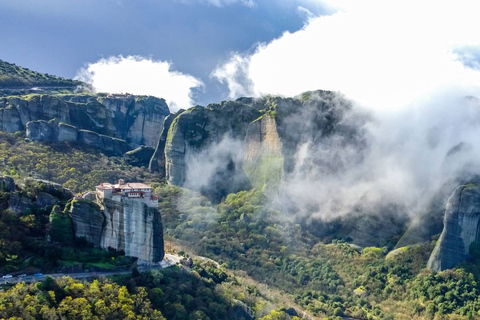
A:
{"points": [[12, 76]]}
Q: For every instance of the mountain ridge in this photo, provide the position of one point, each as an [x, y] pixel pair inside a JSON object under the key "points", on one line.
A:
{"points": [[13, 76]]}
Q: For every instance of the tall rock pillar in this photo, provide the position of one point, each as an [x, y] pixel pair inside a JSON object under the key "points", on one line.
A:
{"points": [[461, 224]]}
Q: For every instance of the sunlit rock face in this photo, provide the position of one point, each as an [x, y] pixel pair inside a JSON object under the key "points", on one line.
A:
{"points": [[128, 225], [133, 227], [209, 140], [461, 228]]}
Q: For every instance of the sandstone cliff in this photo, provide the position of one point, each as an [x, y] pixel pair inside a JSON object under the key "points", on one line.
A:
{"points": [[138, 120], [133, 227], [461, 228]]}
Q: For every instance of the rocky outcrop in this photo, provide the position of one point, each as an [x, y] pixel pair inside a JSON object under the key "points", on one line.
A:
{"points": [[52, 131], [461, 228], [136, 119], [87, 220], [19, 203], [208, 135], [133, 227], [105, 143], [262, 138], [52, 188], [45, 199], [157, 162], [41, 194], [7, 184]]}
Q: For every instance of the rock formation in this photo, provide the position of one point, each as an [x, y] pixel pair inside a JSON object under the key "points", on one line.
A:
{"points": [[461, 228], [263, 155], [196, 133], [52, 131], [157, 162], [87, 220], [7, 184], [262, 138], [138, 120], [41, 194], [133, 227]]}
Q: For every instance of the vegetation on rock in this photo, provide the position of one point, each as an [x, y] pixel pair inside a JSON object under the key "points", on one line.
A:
{"points": [[12, 75]]}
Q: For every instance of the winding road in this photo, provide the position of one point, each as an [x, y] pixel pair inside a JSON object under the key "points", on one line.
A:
{"points": [[168, 261]]}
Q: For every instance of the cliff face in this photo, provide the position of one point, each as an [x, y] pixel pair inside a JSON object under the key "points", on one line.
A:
{"points": [[132, 226], [461, 228], [87, 221], [208, 135], [52, 131], [157, 162], [136, 120], [259, 138], [263, 156]]}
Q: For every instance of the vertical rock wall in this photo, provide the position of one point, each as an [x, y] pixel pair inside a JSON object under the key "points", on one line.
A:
{"points": [[461, 223], [87, 220], [136, 119], [263, 157], [157, 162], [134, 227]]}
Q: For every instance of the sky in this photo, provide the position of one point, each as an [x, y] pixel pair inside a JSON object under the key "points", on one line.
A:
{"points": [[183, 37]]}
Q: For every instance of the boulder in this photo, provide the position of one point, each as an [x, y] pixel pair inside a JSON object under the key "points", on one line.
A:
{"points": [[240, 311], [187, 262]]}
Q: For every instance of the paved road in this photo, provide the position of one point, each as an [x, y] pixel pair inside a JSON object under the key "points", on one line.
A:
{"points": [[168, 261]]}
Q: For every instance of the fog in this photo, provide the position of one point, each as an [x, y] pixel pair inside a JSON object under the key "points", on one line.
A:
{"points": [[411, 72]]}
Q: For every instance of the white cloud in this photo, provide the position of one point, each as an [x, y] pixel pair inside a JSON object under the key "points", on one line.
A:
{"points": [[141, 76], [410, 65], [381, 53]]}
